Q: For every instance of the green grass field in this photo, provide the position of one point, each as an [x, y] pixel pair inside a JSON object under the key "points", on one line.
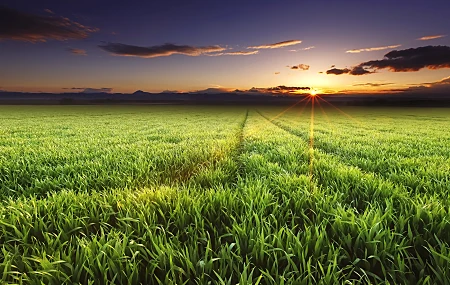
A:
{"points": [[224, 195]]}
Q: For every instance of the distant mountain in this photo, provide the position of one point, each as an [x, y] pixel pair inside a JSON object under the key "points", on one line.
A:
{"points": [[140, 92], [211, 91], [223, 97]]}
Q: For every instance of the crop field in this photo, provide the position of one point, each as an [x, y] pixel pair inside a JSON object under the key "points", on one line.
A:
{"points": [[224, 195]]}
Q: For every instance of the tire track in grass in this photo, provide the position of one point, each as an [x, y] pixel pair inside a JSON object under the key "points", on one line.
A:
{"points": [[349, 180], [224, 169], [323, 151], [239, 150], [415, 186]]}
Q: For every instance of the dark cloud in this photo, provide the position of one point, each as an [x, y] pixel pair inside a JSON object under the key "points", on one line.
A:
{"points": [[90, 90], [254, 89], [283, 88], [15, 25], [337, 71], [300, 67], [372, 84], [77, 51], [277, 45], [438, 87], [407, 60], [279, 89], [359, 70], [157, 51], [277, 72], [412, 59]]}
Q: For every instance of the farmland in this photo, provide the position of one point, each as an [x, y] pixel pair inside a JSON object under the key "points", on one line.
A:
{"points": [[224, 195]]}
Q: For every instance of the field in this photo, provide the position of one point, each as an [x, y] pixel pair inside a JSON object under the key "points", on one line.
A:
{"points": [[224, 195]]}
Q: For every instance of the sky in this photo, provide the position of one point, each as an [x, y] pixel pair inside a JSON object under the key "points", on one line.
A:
{"points": [[123, 46]]}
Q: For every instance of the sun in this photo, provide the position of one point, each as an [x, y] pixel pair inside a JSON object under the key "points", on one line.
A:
{"points": [[313, 93]]}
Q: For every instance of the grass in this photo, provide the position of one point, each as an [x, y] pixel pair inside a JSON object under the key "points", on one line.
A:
{"points": [[224, 195]]}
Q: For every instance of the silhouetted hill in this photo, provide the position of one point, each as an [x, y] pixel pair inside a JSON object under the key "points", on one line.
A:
{"points": [[142, 97]]}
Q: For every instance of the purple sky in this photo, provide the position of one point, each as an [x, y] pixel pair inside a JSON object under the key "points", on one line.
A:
{"points": [[194, 45]]}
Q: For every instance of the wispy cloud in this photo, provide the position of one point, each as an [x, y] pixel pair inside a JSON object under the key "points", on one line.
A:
{"points": [[234, 53], [16, 25], [306, 48], [300, 67], [77, 51], [427, 38], [372, 49], [277, 45], [157, 51], [277, 72], [372, 84]]}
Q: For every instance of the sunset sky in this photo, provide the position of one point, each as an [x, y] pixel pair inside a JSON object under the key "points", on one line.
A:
{"points": [[123, 46]]}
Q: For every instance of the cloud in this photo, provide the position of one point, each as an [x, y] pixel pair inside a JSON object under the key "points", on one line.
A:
{"points": [[338, 71], [90, 90], [306, 48], [19, 26], [285, 89], [234, 53], [277, 45], [372, 49], [427, 38], [157, 51], [357, 70], [277, 72], [49, 11], [77, 51], [412, 59], [407, 60], [279, 90], [438, 87], [372, 84], [241, 52], [300, 67]]}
